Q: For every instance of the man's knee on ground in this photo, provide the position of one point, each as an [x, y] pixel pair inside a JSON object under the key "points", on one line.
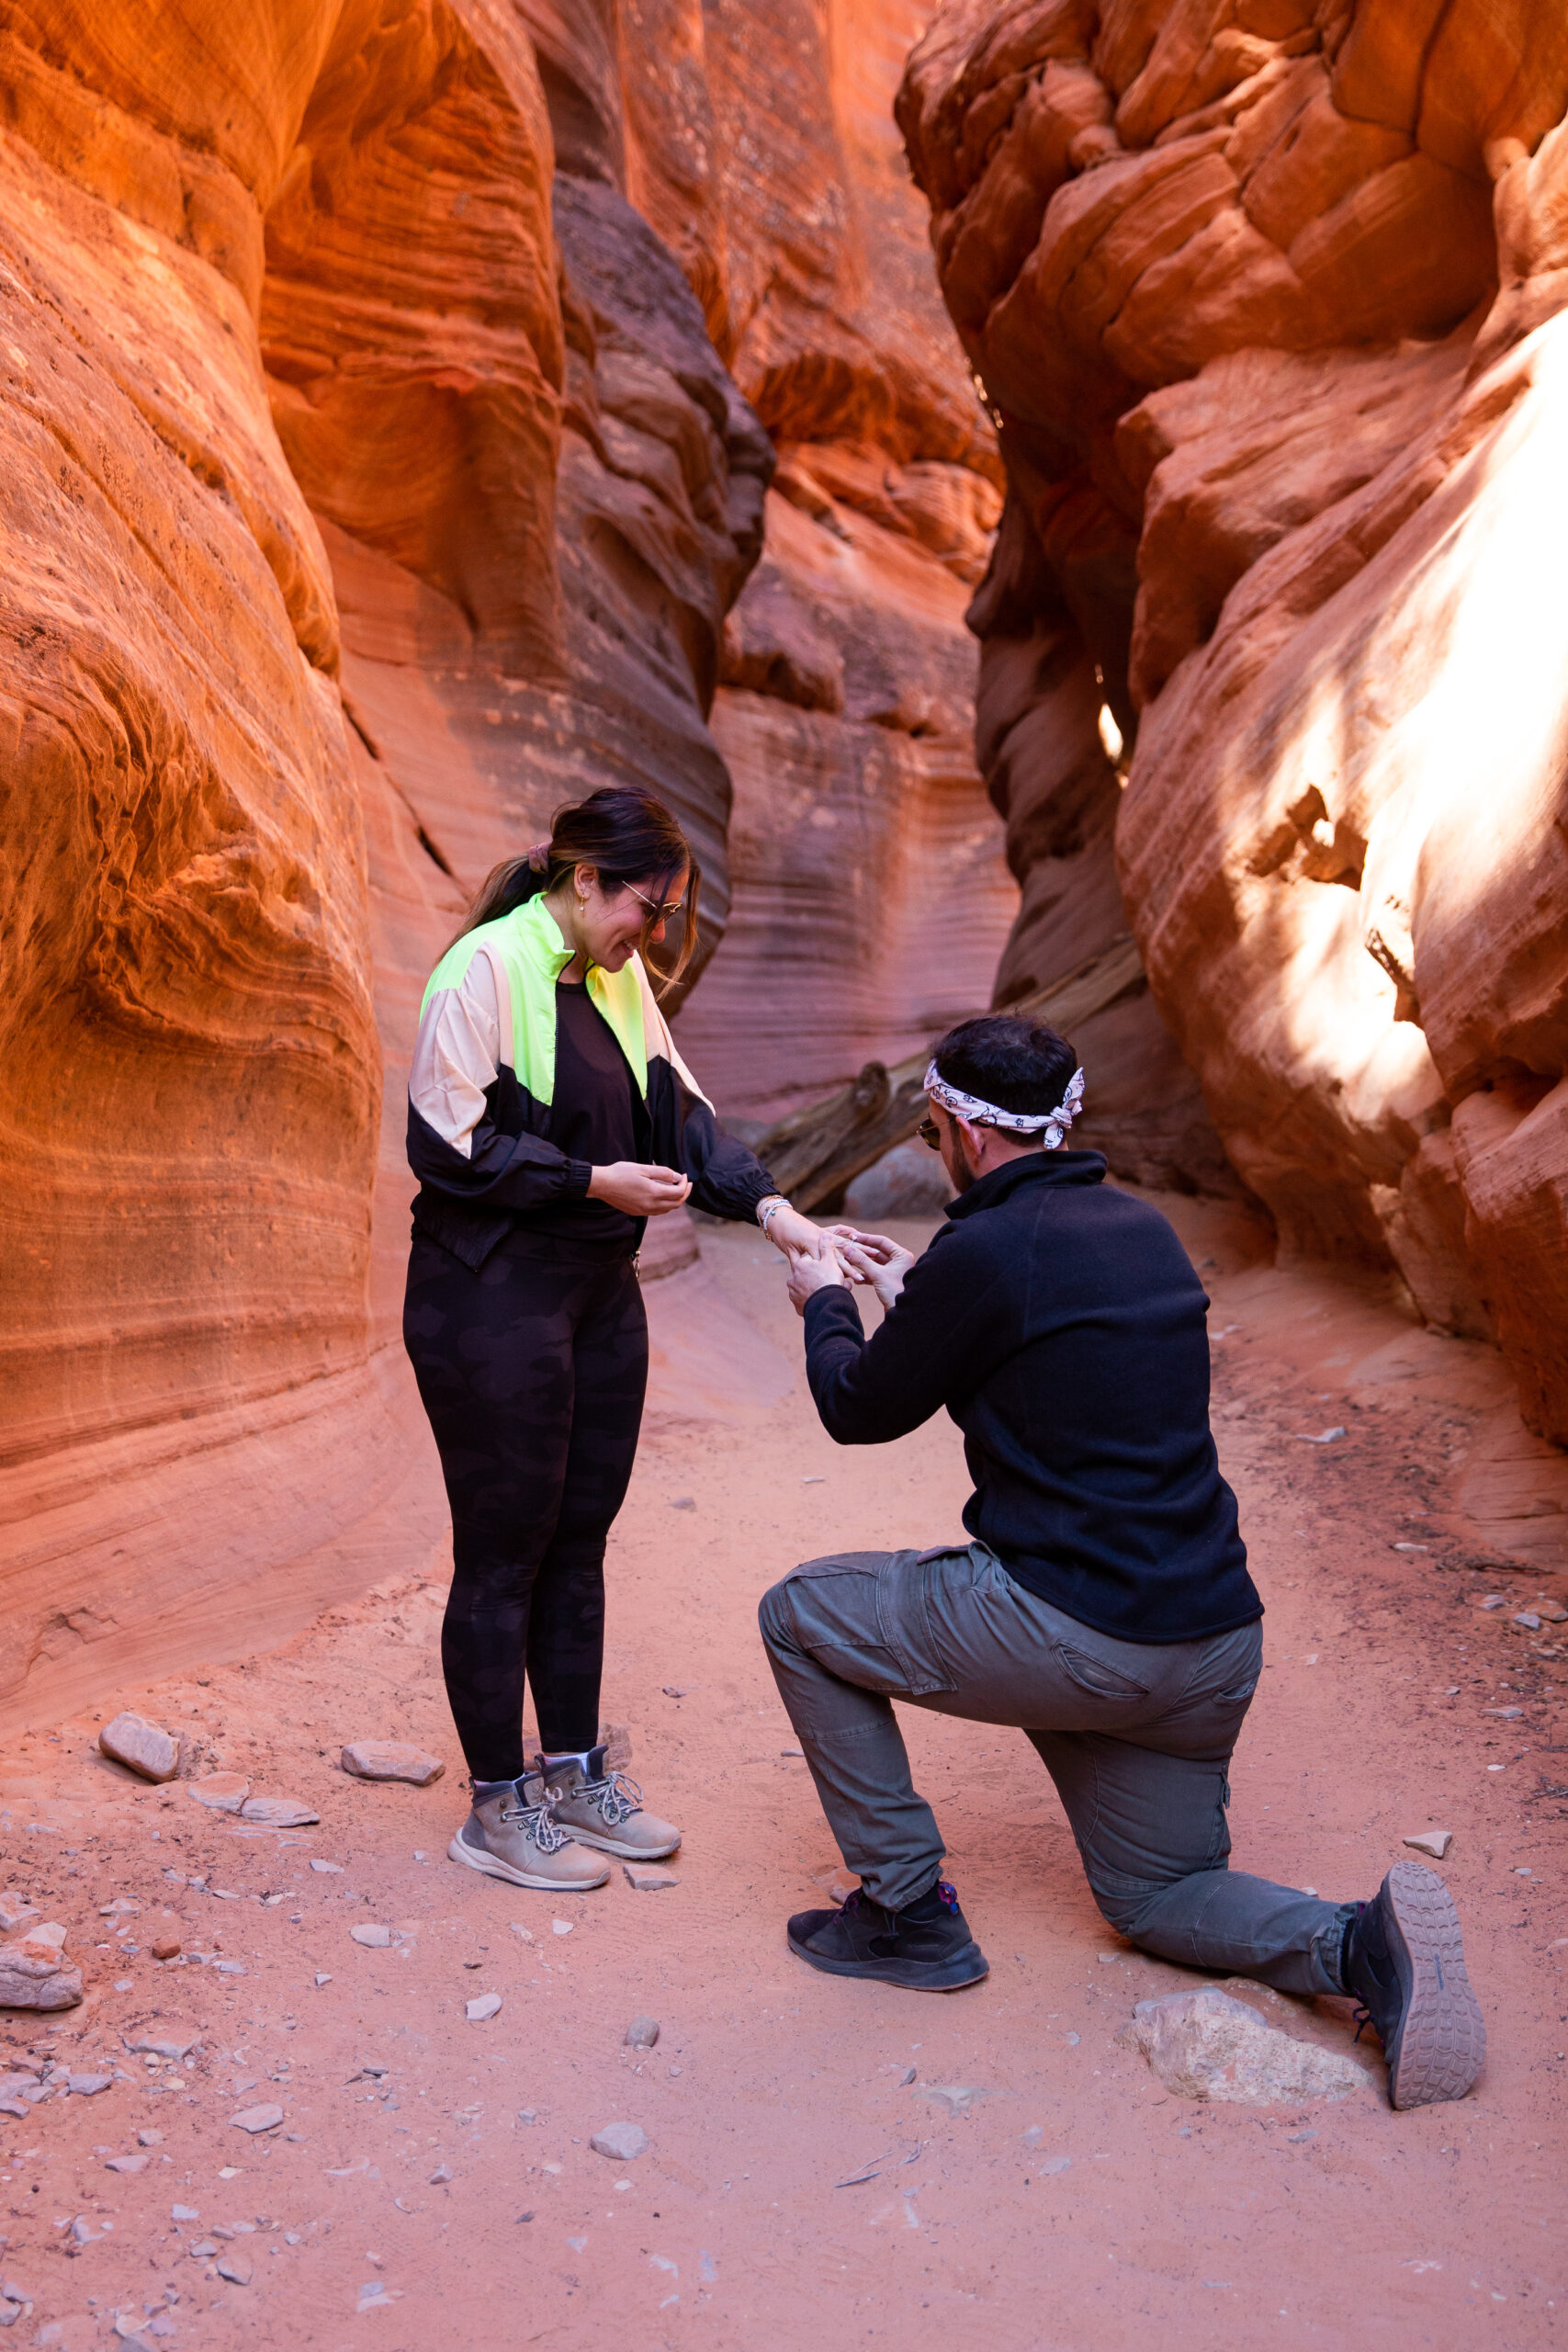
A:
{"points": [[775, 1615]]}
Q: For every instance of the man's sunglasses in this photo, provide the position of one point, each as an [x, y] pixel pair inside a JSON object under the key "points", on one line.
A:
{"points": [[929, 1135], [664, 913]]}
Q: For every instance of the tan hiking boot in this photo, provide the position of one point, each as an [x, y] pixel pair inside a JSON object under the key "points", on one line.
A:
{"points": [[508, 1837], [603, 1808]]}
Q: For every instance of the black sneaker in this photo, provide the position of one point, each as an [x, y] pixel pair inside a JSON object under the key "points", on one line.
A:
{"points": [[1404, 1962], [926, 1947]]}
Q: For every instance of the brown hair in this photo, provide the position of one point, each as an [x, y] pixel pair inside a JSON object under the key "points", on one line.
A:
{"points": [[626, 835]]}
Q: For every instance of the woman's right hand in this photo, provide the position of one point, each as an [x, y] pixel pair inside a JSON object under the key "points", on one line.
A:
{"points": [[638, 1191]]}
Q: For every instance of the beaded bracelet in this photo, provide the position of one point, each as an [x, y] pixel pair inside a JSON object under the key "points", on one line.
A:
{"points": [[768, 1208]]}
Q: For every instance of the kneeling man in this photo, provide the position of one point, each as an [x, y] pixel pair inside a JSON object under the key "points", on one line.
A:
{"points": [[1103, 1604]]}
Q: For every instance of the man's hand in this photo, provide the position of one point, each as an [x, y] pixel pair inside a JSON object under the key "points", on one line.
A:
{"points": [[873, 1258], [638, 1191], [795, 1235], [808, 1274]]}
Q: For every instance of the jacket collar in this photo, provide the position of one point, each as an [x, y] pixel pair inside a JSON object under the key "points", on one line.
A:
{"points": [[540, 934], [1055, 1167]]}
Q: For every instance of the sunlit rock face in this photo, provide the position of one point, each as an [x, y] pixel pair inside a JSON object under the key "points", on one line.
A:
{"points": [[1268, 299]]}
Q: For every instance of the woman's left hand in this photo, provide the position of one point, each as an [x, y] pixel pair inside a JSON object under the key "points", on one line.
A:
{"points": [[795, 1236]]}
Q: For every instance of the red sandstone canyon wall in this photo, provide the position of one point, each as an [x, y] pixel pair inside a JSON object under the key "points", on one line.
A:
{"points": [[1268, 297], [392, 390]]}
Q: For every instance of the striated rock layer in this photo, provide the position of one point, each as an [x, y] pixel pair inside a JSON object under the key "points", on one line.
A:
{"points": [[1268, 297], [391, 395]]}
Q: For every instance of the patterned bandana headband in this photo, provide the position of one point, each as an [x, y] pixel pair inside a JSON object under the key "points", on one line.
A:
{"points": [[1050, 1126]]}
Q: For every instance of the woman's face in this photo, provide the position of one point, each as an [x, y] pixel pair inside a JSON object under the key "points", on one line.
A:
{"points": [[610, 924]]}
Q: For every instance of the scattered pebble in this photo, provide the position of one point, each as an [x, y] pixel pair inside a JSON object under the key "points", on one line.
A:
{"points": [[641, 2035], [648, 1878], [682, 1502], [322, 1978], [441, 2175], [87, 2086], [150, 2138], [128, 2164], [1530, 1618], [15, 1913], [561, 1927], [166, 2040], [1435, 1842], [676, 1690], [620, 2142], [391, 1759], [1324, 1437], [1412, 1547], [184, 2213], [235, 2267], [323, 1868], [1504, 1714], [792, 1751], [1494, 1601], [165, 1947], [373, 1934], [957, 2098], [1033, 2137], [1057, 2164], [483, 2006], [220, 1792], [141, 1746], [258, 2118]]}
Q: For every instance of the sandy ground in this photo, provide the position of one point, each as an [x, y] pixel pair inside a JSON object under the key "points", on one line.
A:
{"points": [[814, 2173]]}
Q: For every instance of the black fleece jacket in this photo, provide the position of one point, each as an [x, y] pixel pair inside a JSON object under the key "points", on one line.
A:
{"points": [[1062, 1326]]}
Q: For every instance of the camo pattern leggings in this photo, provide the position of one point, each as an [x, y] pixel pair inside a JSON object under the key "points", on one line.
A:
{"points": [[532, 1372]]}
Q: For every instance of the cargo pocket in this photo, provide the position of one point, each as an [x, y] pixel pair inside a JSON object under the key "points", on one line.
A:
{"points": [[904, 1619]]}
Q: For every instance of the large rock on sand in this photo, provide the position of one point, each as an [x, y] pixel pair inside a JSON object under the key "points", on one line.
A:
{"points": [[1207, 2044], [142, 1746], [34, 1973]]}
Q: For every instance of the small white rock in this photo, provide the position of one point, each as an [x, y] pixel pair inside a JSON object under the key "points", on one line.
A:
{"points": [[391, 1759], [483, 2006], [1208, 2044], [619, 2141], [1435, 1842], [372, 1934], [648, 1878], [220, 1792], [279, 1813], [562, 1926], [641, 2035], [325, 1869]]}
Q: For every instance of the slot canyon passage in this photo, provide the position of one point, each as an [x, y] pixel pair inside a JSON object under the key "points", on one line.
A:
{"points": [[1055, 494]]}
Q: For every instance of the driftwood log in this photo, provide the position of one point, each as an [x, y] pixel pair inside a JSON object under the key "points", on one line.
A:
{"points": [[815, 1151]]}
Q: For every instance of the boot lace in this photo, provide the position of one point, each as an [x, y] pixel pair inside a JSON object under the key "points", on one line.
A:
{"points": [[540, 1821], [616, 1798]]}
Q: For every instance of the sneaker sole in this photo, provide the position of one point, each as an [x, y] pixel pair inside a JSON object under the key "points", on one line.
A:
{"points": [[968, 1967], [1443, 2035], [491, 1866], [621, 1850]]}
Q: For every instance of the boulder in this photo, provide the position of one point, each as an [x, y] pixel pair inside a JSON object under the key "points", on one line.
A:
{"points": [[1207, 2044], [144, 1748]]}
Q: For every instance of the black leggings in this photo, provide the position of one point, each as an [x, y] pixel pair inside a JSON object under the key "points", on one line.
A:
{"points": [[532, 1372]]}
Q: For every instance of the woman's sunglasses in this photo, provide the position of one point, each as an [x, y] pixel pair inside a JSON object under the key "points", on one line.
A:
{"points": [[658, 913]]}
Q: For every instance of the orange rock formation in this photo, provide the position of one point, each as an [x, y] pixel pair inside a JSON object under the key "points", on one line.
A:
{"points": [[1268, 297], [375, 481]]}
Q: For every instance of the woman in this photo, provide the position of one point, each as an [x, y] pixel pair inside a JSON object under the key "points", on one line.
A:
{"points": [[550, 1118]]}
